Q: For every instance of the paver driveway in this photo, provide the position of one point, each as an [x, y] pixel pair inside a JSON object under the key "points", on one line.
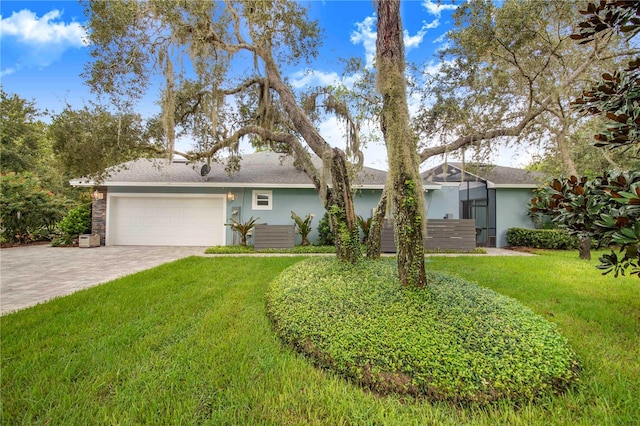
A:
{"points": [[34, 274]]}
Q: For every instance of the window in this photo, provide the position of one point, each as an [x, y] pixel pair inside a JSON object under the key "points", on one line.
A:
{"points": [[262, 200]]}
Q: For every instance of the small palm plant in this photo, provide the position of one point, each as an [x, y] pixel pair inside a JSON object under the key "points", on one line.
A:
{"points": [[243, 229], [303, 226], [365, 225]]}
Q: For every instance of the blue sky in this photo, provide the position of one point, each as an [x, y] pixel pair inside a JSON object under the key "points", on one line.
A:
{"points": [[44, 51]]}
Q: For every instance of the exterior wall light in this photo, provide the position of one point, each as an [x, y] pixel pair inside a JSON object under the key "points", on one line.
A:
{"points": [[231, 196]]}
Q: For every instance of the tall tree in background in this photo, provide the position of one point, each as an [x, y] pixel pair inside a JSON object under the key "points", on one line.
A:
{"points": [[26, 147], [89, 140], [132, 40], [511, 70], [404, 184], [21, 133]]}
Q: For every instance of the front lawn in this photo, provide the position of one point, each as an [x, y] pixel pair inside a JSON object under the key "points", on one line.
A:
{"points": [[190, 342]]}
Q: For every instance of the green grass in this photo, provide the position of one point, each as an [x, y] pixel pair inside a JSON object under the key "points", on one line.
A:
{"points": [[189, 343]]}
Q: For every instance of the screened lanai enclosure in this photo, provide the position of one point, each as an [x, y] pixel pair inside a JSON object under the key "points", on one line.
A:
{"points": [[495, 197]]}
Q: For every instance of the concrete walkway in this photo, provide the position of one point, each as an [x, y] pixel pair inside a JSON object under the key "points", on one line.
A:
{"points": [[34, 274]]}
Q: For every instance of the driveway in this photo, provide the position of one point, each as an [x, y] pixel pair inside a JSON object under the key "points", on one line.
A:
{"points": [[34, 274]]}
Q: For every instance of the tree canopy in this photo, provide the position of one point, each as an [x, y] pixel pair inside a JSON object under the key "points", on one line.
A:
{"points": [[22, 133], [512, 70], [90, 140]]}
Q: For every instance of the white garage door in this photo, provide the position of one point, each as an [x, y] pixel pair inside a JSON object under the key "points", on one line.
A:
{"points": [[165, 220]]}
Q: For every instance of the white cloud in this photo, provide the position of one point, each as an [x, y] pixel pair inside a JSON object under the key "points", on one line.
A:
{"points": [[311, 78], [31, 30], [365, 34], [441, 39], [411, 42], [9, 71], [435, 8], [41, 40]]}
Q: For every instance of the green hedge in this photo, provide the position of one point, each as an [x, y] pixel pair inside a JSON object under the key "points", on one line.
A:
{"points": [[249, 249], [557, 239], [451, 341]]}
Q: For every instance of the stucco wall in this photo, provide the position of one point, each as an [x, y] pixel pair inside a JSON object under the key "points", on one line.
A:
{"points": [[511, 212], [300, 201], [440, 202], [443, 201]]}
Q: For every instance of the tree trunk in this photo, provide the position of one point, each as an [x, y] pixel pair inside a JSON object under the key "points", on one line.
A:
{"points": [[342, 216], [585, 247], [377, 221], [338, 200], [562, 142], [403, 181]]}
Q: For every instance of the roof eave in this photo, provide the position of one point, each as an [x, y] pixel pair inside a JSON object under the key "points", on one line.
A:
{"points": [[79, 183], [492, 185]]}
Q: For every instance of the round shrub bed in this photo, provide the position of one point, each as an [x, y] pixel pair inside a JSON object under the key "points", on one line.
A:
{"points": [[452, 341]]}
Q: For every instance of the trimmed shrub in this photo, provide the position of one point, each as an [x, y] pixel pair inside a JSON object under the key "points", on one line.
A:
{"points": [[451, 341], [229, 250], [250, 249], [556, 239]]}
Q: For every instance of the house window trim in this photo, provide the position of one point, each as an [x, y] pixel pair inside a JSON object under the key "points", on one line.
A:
{"points": [[254, 199]]}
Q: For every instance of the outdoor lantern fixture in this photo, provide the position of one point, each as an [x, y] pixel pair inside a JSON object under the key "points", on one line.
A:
{"points": [[231, 196], [96, 195]]}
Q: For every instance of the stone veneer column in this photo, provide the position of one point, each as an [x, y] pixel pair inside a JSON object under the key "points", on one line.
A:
{"points": [[99, 212]]}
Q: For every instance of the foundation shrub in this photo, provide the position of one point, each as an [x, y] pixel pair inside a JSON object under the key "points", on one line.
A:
{"points": [[451, 341], [554, 239], [76, 222]]}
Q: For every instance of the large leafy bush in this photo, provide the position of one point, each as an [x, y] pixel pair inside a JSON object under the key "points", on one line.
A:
{"points": [[605, 209], [27, 211], [76, 222], [452, 340]]}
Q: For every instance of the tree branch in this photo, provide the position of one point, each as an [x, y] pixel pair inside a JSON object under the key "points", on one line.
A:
{"points": [[301, 155], [481, 136], [509, 131]]}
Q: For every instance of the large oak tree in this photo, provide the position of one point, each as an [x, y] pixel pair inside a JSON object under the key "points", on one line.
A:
{"points": [[221, 63]]}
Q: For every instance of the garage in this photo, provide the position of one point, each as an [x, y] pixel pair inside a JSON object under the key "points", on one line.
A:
{"points": [[165, 220]]}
